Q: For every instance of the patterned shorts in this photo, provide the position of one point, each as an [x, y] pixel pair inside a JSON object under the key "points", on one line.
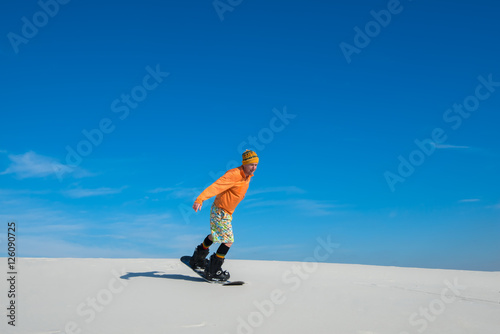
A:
{"points": [[220, 224]]}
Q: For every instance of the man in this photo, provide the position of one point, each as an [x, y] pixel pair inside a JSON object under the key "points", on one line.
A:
{"points": [[229, 190]]}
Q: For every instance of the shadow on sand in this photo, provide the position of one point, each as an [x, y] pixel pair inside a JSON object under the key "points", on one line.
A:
{"points": [[154, 274]]}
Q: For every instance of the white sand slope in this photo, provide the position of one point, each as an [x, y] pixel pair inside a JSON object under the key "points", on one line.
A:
{"points": [[149, 296]]}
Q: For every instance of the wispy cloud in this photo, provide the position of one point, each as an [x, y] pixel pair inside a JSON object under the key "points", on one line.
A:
{"points": [[20, 192], [154, 218], [446, 146], [33, 165], [309, 207], [469, 200], [38, 219], [72, 193], [160, 230], [286, 189], [80, 193], [66, 232], [178, 192], [49, 246]]}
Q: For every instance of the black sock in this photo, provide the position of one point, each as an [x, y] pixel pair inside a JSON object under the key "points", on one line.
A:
{"points": [[207, 243], [222, 251]]}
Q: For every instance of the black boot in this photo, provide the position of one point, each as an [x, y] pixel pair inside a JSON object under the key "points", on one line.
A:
{"points": [[199, 260], [213, 271]]}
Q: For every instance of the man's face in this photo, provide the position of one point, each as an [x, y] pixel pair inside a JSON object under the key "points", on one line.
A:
{"points": [[249, 168]]}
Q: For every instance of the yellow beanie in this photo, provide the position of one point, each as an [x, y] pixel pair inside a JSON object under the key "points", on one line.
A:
{"points": [[250, 157]]}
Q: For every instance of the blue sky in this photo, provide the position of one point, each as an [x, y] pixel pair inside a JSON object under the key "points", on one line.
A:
{"points": [[376, 123]]}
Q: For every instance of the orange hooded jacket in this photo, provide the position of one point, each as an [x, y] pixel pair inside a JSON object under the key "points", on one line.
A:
{"points": [[230, 189]]}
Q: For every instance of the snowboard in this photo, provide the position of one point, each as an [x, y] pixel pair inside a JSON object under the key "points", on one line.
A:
{"points": [[200, 272]]}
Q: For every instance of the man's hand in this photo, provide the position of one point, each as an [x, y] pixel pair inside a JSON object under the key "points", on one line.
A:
{"points": [[196, 206]]}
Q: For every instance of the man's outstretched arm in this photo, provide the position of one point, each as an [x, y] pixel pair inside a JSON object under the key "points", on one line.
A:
{"points": [[225, 182]]}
